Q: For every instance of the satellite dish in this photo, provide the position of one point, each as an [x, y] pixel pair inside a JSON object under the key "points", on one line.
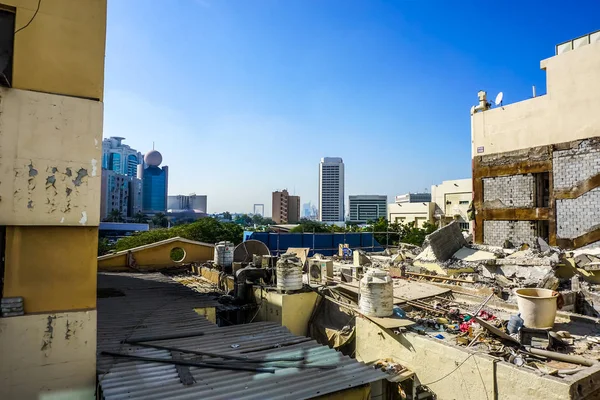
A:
{"points": [[499, 99], [243, 252]]}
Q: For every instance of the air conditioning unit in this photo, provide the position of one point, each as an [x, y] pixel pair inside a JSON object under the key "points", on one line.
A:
{"points": [[320, 271]]}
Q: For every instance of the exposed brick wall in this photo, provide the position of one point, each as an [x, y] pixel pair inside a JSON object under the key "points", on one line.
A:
{"points": [[574, 217], [495, 233], [575, 165], [515, 191]]}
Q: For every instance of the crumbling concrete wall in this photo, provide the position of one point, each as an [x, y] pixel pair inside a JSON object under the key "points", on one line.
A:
{"points": [[575, 217], [495, 233], [573, 166], [446, 241], [514, 191]]}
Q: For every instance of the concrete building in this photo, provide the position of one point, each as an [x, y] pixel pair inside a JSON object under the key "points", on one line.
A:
{"points": [[119, 157], [285, 208], [536, 169], [407, 212], [414, 198], [331, 189], [51, 155], [155, 183], [452, 199], [187, 202], [365, 208], [120, 192]]}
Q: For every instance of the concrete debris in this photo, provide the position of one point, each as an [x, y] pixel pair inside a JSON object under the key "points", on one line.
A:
{"points": [[446, 241]]}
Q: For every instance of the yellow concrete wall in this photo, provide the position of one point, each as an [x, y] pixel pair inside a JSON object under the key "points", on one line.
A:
{"points": [[52, 268], [454, 191], [157, 257], [567, 112], [45, 141], [62, 50], [431, 360], [48, 356], [290, 310]]}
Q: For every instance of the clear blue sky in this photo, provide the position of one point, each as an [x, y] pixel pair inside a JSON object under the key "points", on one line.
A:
{"points": [[244, 97]]}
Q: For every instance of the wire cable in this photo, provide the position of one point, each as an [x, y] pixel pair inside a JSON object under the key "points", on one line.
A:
{"points": [[449, 373], [31, 20]]}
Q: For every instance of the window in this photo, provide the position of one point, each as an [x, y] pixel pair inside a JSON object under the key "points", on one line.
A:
{"points": [[464, 226], [7, 38]]}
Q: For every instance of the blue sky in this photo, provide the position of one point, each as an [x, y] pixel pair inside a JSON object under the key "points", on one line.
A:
{"points": [[244, 97]]}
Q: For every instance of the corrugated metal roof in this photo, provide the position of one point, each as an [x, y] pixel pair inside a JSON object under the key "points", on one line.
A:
{"points": [[154, 305]]}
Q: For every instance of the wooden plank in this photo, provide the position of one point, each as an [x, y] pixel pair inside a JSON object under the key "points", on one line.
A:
{"points": [[580, 241], [518, 168], [552, 210], [185, 376], [391, 322], [579, 189], [515, 214]]}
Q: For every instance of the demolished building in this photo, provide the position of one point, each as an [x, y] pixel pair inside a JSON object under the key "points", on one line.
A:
{"points": [[536, 170]]}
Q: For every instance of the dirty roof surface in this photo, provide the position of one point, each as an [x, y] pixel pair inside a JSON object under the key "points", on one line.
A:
{"points": [[135, 305]]}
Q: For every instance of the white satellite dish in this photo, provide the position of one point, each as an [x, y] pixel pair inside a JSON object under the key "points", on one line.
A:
{"points": [[499, 98]]}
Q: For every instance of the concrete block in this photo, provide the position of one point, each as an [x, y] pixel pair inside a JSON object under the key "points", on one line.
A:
{"points": [[446, 241]]}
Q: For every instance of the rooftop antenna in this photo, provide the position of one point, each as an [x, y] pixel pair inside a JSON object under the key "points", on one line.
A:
{"points": [[499, 98]]}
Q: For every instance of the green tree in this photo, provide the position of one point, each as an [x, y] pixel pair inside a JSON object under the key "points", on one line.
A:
{"points": [[227, 215], [244, 220], [104, 247], [140, 218], [114, 216], [208, 230], [160, 220], [307, 225]]}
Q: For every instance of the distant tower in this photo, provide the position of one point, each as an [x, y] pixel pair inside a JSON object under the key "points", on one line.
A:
{"points": [[259, 209], [155, 183], [331, 189]]}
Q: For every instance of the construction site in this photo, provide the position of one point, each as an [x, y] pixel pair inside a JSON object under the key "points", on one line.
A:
{"points": [[501, 304]]}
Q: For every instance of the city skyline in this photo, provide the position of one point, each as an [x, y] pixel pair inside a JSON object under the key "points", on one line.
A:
{"points": [[387, 87]]}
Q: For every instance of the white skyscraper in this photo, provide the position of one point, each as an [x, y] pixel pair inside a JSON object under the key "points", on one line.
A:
{"points": [[331, 189]]}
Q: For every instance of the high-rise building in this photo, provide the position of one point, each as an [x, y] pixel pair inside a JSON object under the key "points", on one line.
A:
{"points": [[155, 183], [365, 208], [286, 208], [191, 202], [119, 157], [331, 189], [52, 89], [120, 192]]}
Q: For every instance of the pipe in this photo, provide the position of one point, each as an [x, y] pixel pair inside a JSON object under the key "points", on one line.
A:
{"points": [[214, 355], [165, 337], [190, 363], [561, 357]]}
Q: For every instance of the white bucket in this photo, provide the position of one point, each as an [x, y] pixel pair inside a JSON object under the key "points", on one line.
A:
{"points": [[537, 307]]}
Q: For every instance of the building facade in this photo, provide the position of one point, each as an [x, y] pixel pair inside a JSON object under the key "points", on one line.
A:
{"points": [[366, 208], [122, 193], [536, 163], [50, 151], [331, 190], [119, 157], [414, 198], [452, 199], [410, 212], [192, 202], [155, 183], [285, 208]]}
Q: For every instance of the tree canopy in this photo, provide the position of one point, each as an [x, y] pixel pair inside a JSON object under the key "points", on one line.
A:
{"points": [[207, 230]]}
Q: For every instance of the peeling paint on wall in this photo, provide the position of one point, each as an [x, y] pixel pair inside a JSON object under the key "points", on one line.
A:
{"points": [[94, 166], [83, 219], [81, 173]]}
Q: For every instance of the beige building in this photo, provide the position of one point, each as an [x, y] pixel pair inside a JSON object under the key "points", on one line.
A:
{"points": [[408, 212], [50, 161], [536, 162], [286, 208], [452, 199]]}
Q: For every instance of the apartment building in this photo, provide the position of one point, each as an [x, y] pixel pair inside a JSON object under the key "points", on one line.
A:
{"points": [[365, 208], [536, 163], [51, 86], [285, 208]]}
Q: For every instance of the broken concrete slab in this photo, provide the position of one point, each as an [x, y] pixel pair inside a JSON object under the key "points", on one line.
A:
{"points": [[473, 255], [360, 259], [446, 241]]}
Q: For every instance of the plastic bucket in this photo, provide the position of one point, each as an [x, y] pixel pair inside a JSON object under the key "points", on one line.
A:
{"points": [[537, 307]]}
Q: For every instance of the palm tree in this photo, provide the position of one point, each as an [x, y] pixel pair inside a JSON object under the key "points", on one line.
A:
{"points": [[160, 220], [114, 216], [140, 218]]}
